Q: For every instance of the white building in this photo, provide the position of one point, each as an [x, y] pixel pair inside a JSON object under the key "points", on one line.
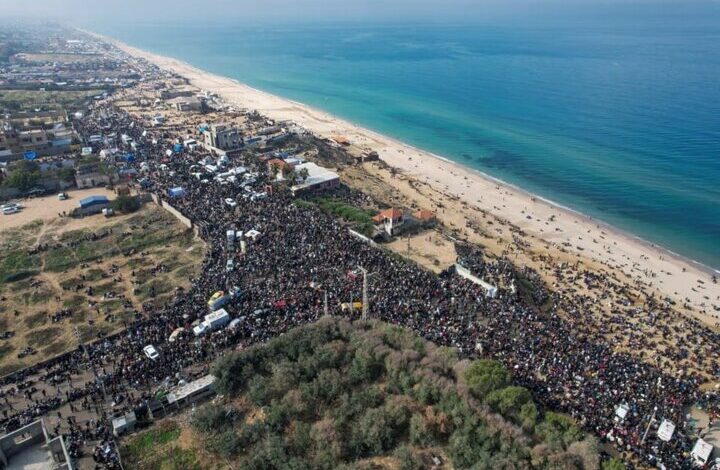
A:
{"points": [[318, 179]]}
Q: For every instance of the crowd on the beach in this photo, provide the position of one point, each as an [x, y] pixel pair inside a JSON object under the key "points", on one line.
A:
{"points": [[283, 274]]}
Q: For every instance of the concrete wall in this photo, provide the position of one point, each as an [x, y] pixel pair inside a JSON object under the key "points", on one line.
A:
{"points": [[168, 207], [465, 272]]}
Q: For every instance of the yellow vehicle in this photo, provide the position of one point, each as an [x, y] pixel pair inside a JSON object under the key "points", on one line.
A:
{"points": [[217, 300], [346, 306], [220, 298]]}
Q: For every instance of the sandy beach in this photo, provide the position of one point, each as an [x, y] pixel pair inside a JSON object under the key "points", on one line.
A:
{"points": [[466, 198]]}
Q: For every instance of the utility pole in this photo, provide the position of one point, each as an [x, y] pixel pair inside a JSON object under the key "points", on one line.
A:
{"points": [[647, 429], [365, 293]]}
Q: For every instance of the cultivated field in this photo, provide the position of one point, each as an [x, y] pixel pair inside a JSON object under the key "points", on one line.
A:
{"points": [[93, 274], [62, 58], [31, 99]]}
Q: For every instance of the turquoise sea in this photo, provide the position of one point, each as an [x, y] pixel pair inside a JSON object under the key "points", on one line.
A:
{"points": [[619, 120]]}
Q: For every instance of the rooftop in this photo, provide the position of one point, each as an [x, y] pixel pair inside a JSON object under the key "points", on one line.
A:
{"points": [[91, 200], [392, 213], [316, 175]]}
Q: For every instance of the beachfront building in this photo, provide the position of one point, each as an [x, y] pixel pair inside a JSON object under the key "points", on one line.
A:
{"points": [[318, 179], [390, 221], [187, 104], [223, 137], [425, 217], [280, 168]]}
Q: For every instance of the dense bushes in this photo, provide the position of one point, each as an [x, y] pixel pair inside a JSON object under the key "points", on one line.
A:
{"points": [[333, 394], [359, 218], [126, 204]]}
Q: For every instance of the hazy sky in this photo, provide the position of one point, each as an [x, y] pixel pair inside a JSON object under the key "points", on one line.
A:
{"points": [[84, 11]]}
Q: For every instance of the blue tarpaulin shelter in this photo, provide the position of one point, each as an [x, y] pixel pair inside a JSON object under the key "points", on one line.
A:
{"points": [[177, 148], [30, 155], [176, 192], [93, 201], [129, 157]]}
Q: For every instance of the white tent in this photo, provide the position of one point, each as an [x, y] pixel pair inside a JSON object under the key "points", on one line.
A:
{"points": [[701, 452], [621, 411], [666, 430]]}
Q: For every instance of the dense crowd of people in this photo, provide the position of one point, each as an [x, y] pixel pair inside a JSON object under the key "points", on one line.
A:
{"points": [[283, 274]]}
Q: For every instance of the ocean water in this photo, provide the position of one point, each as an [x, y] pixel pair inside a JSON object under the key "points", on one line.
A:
{"points": [[620, 121]]}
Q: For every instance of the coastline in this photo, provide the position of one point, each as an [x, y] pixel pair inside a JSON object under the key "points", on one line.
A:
{"points": [[573, 232]]}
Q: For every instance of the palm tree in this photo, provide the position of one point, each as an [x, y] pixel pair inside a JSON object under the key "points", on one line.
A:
{"points": [[304, 174]]}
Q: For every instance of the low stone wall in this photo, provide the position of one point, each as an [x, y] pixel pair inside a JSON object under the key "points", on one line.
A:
{"points": [[168, 207]]}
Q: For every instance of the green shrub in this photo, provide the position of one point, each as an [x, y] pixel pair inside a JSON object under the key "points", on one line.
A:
{"points": [[210, 418], [509, 401], [613, 464], [484, 376], [126, 204]]}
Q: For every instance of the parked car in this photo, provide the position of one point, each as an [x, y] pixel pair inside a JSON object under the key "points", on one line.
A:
{"points": [[11, 204], [230, 202], [235, 323], [62, 196], [151, 352], [200, 329], [10, 210]]}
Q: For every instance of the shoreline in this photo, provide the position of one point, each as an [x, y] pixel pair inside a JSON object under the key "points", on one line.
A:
{"points": [[635, 255], [561, 207]]}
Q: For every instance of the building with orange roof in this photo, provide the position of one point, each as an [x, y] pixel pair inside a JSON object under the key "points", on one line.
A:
{"points": [[390, 220], [280, 165], [425, 216]]}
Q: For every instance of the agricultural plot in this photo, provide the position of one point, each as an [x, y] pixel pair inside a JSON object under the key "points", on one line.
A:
{"points": [[90, 276]]}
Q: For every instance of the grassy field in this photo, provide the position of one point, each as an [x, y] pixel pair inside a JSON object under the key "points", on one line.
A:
{"points": [[31, 99], [159, 448], [360, 219], [100, 271], [62, 58]]}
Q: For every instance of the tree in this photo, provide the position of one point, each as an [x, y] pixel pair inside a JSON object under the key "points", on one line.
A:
{"points": [[289, 174], [66, 174], [528, 416], [24, 175], [613, 464], [509, 401], [420, 434], [274, 170], [408, 459], [303, 174], [485, 376], [210, 418], [558, 430], [126, 204], [225, 443]]}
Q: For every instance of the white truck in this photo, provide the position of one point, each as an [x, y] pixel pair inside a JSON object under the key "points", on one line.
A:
{"points": [[212, 321]]}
